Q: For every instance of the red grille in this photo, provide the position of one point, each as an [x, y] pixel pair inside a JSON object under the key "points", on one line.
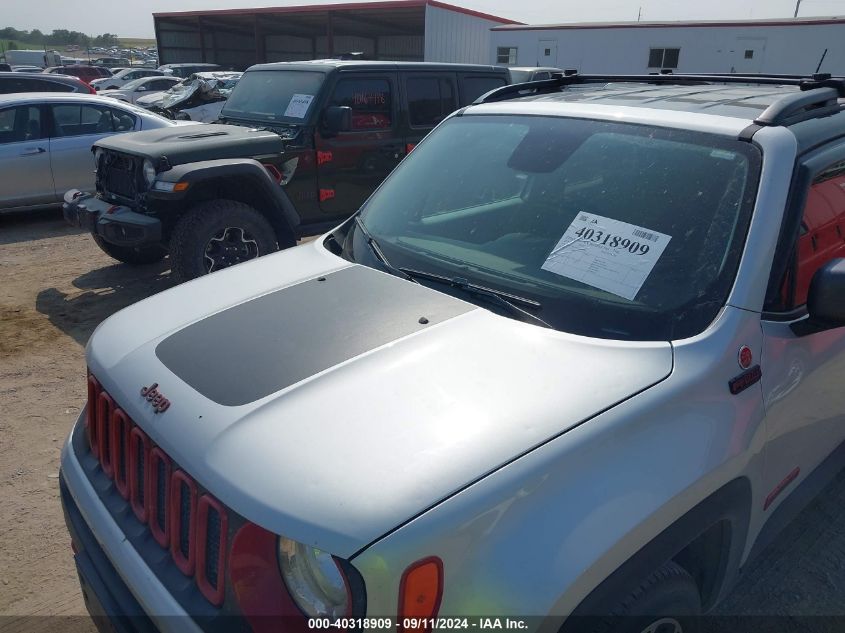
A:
{"points": [[119, 451], [157, 507], [183, 515], [194, 527], [212, 530], [139, 473]]}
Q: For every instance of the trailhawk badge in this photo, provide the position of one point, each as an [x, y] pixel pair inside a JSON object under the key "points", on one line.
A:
{"points": [[156, 398]]}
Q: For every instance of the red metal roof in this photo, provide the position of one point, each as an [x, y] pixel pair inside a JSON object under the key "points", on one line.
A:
{"points": [[347, 6], [670, 25]]}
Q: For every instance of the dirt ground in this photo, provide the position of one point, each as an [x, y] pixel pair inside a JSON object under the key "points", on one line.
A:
{"points": [[56, 286]]}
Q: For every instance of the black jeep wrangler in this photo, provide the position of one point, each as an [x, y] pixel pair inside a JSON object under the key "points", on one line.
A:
{"points": [[299, 147]]}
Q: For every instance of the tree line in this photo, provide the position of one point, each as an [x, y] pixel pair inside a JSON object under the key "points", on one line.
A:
{"points": [[59, 37]]}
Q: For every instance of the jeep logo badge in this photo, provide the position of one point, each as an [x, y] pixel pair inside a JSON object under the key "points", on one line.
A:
{"points": [[156, 398]]}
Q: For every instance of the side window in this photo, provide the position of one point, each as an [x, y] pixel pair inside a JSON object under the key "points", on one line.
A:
{"points": [[474, 87], [822, 234], [123, 121], [161, 84], [371, 101], [37, 85], [79, 120], [20, 124], [430, 100]]}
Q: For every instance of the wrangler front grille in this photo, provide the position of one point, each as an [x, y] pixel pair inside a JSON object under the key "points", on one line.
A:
{"points": [[120, 175]]}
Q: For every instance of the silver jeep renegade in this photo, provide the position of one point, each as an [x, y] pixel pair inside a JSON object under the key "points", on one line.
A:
{"points": [[569, 367]]}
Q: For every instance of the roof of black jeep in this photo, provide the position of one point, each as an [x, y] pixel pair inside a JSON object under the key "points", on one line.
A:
{"points": [[327, 65], [730, 100]]}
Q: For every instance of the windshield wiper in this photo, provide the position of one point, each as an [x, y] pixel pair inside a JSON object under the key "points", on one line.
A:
{"points": [[502, 299], [376, 249]]}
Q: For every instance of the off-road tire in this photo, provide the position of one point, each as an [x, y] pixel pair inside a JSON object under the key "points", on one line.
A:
{"points": [[134, 256], [668, 596], [195, 230]]}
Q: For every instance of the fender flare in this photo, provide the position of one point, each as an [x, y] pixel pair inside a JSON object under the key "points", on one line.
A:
{"points": [[730, 504], [282, 209]]}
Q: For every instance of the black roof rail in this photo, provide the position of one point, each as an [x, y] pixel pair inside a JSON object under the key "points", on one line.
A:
{"points": [[819, 91]]}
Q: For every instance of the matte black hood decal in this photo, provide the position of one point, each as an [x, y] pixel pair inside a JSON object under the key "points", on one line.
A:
{"points": [[254, 349]]}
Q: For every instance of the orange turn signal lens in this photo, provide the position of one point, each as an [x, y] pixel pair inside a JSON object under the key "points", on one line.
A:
{"points": [[420, 592], [180, 186]]}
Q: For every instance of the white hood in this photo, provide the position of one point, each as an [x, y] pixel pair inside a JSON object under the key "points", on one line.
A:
{"points": [[335, 428]]}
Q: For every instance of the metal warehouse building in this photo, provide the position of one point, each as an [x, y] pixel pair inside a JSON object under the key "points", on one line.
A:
{"points": [[404, 30], [789, 46]]}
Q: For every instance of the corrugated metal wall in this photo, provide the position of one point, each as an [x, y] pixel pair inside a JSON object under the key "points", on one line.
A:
{"points": [[456, 37], [402, 48], [177, 44]]}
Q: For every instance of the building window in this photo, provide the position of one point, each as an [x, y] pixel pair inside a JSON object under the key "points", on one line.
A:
{"points": [[663, 57], [506, 55], [749, 54]]}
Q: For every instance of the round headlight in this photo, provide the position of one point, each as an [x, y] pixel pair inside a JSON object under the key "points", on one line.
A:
{"points": [[149, 172], [314, 579]]}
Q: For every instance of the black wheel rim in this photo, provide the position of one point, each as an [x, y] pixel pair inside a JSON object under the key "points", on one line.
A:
{"points": [[228, 247]]}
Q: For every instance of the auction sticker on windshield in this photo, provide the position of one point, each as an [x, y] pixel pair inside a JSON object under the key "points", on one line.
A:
{"points": [[298, 106], [607, 254]]}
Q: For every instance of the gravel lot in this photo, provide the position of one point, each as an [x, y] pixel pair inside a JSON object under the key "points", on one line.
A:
{"points": [[57, 286]]}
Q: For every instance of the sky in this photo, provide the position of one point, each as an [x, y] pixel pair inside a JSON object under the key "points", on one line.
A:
{"points": [[133, 18]]}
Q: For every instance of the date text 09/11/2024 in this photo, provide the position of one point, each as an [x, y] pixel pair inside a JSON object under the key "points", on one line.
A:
{"points": [[475, 623]]}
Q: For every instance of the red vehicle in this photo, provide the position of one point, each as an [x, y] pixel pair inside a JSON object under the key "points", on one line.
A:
{"points": [[85, 73]]}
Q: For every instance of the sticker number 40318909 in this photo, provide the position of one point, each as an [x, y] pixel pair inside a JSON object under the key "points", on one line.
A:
{"points": [[608, 254]]}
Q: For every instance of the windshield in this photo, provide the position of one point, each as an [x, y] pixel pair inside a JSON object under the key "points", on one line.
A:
{"points": [[274, 95], [618, 231]]}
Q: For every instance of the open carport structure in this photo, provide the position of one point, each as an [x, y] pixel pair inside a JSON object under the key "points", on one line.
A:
{"points": [[403, 30]]}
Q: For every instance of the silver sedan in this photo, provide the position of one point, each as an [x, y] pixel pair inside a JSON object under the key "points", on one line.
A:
{"points": [[143, 87], [46, 139]]}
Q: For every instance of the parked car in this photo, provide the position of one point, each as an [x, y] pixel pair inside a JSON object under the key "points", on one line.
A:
{"points": [[38, 82], [27, 69], [122, 77], [85, 73], [46, 139], [143, 87], [568, 361], [186, 70], [306, 144], [199, 97], [523, 74], [112, 62]]}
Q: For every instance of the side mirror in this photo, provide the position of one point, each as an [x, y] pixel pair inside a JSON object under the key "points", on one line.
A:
{"points": [[826, 299], [337, 119]]}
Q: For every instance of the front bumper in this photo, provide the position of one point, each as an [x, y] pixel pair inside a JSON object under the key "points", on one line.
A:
{"points": [[122, 593], [116, 224]]}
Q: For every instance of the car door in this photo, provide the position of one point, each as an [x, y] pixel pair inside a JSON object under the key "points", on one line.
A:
{"points": [[804, 372], [352, 164], [75, 127], [429, 98], [25, 178]]}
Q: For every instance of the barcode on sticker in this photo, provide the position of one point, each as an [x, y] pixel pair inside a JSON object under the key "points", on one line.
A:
{"points": [[651, 237]]}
